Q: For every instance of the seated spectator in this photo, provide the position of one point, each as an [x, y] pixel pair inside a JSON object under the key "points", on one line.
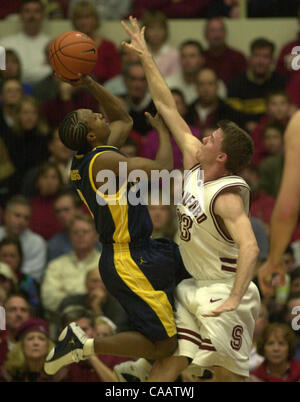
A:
{"points": [[59, 283], [65, 208], [150, 141], [192, 60], [16, 221], [48, 183], [262, 204], [12, 255], [270, 173], [30, 43], [208, 109], [247, 92], [278, 111], [29, 137], [277, 345], [68, 98], [116, 85], [156, 35], [293, 91], [108, 9], [172, 9], [95, 368], [104, 327], [17, 311], [86, 19], [291, 314], [262, 321], [13, 70], [60, 155], [25, 362], [295, 280], [7, 171], [162, 220], [227, 62], [138, 99], [98, 301], [273, 138], [284, 61], [8, 279]]}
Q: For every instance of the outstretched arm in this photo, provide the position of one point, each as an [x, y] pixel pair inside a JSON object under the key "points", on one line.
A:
{"points": [[286, 211], [120, 121], [162, 96], [229, 206]]}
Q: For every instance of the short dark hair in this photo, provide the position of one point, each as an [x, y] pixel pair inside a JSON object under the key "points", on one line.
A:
{"points": [[76, 312], [9, 240], [238, 146], [73, 133], [276, 126], [67, 192], [277, 92], [24, 2], [261, 43], [42, 169], [17, 200], [288, 335], [194, 43]]}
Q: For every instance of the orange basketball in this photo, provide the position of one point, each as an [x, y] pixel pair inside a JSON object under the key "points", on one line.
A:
{"points": [[72, 53]]}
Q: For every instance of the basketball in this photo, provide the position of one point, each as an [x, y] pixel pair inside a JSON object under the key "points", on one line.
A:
{"points": [[72, 53]]}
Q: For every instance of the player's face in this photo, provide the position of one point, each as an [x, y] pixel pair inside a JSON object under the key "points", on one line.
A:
{"points": [[96, 124], [211, 149]]}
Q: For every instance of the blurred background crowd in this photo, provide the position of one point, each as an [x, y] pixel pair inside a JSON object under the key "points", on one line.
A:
{"points": [[49, 250]]}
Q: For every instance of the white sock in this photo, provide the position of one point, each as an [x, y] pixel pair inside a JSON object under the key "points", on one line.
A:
{"points": [[88, 348]]}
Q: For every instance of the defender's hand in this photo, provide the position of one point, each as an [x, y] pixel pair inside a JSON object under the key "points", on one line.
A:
{"points": [[266, 277], [156, 122], [138, 43]]}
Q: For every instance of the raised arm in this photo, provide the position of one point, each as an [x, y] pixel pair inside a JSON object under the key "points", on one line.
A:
{"points": [[229, 206], [286, 211], [119, 119], [162, 96]]}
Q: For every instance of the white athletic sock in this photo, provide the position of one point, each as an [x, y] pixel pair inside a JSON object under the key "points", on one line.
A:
{"points": [[88, 348]]}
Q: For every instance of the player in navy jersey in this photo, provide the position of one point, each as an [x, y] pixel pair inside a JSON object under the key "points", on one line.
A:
{"points": [[139, 271]]}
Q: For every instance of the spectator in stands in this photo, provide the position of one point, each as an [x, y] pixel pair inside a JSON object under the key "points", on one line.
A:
{"points": [[295, 280], [104, 327], [192, 59], [13, 69], [17, 311], [12, 255], [156, 35], [270, 173], [273, 138], [227, 62], [208, 109], [60, 155], [49, 183], [16, 221], [30, 43], [117, 85], [11, 94], [65, 208], [7, 171], [284, 61], [262, 204], [86, 19], [108, 9], [171, 8], [278, 111], [29, 138], [262, 321], [292, 317], [277, 344], [26, 360], [8, 280], [247, 92], [150, 141], [98, 301], [138, 99], [69, 98], [163, 221], [59, 283], [95, 368]]}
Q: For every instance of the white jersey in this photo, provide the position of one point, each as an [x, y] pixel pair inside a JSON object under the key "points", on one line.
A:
{"points": [[207, 251]]}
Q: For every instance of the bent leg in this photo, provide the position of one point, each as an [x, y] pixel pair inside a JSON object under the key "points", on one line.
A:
{"points": [[167, 370], [221, 374], [134, 344]]}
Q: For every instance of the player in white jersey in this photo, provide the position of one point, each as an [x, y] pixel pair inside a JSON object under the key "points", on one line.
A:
{"points": [[216, 309]]}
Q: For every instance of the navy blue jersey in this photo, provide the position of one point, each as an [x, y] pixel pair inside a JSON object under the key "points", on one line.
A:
{"points": [[114, 223]]}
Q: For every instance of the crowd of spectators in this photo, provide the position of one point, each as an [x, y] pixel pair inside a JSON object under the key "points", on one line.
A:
{"points": [[49, 250]]}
